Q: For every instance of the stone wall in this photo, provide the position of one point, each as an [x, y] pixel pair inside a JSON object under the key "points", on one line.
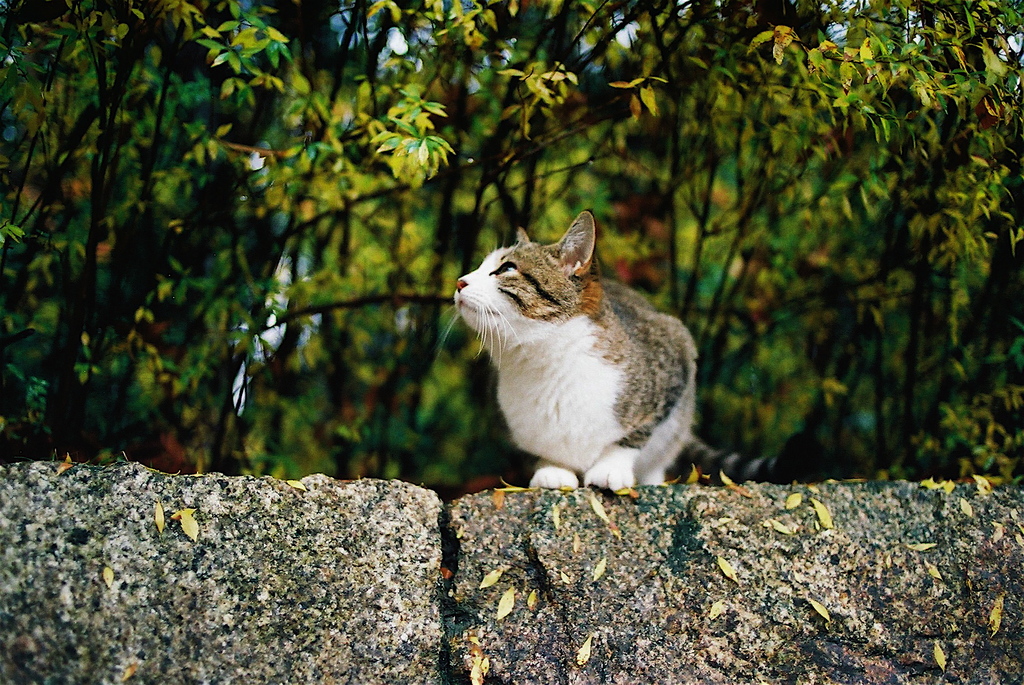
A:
{"points": [[325, 581]]}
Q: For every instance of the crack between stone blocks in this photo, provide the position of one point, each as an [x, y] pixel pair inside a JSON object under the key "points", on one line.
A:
{"points": [[451, 614], [456, 618]]}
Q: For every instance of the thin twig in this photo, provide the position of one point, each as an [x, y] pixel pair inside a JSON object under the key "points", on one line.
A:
{"points": [[396, 300]]}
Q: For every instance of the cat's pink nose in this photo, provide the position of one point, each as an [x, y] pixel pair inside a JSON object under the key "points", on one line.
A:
{"points": [[460, 285]]}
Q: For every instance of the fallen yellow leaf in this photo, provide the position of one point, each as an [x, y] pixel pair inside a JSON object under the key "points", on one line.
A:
{"points": [[599, 569], [995, 618], [716, 609], [511, 488], [728, 570], [505, 604], [694, 476], [921, 546], [491, 578], [556, 516], [531, 600], [297, 484], [729, 483], [129, 672], [780, 527], [158, 516], [565, 577], [966, 507], [933, 571], [577, 544], [940, 656], [820, 608], [794, 500], [481, 666], [108, 576], [984, 484], [824, 517], [930, 484], [583, 655], [999, 531], [598, 508], [188, 522], [64, 465], [948, 486]]}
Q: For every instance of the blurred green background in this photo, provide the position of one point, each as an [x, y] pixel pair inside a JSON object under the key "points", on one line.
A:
{"points": [[230, 230]]}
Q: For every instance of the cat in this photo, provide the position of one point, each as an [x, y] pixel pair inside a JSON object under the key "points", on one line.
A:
{"points": [[591, 378]]}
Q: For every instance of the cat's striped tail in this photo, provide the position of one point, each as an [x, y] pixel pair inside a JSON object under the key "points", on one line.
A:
{"points": [[738, 467]]}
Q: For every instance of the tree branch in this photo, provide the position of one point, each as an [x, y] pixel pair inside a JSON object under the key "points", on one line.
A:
{"points": [[396, 300]]}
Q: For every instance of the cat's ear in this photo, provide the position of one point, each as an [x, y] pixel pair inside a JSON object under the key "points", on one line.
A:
{"points": [[576, 248], [521, 236]]}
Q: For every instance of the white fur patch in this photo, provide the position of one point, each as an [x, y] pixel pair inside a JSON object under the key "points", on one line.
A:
{"points": [[558, 396], [556, 391]]}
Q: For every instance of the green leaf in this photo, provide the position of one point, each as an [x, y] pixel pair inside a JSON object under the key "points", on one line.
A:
{"points": [[647, 95], [866, 54], [9, 231], [762, 38], [816, 59], [847, 71], [995, 68], [276, 35]]}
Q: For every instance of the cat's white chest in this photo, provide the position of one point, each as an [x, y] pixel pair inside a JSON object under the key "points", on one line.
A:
{"points": [[558, 396]]}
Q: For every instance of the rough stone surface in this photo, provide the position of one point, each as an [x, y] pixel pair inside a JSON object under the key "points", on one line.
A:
{"points": [[650, 616], [377, 582], [332, 584]]}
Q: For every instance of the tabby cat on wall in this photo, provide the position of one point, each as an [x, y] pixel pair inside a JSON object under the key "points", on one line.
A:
{"points": [[592, 380]]}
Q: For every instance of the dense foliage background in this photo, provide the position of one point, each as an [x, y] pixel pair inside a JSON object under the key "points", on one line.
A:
{"points": [[230, 230]]}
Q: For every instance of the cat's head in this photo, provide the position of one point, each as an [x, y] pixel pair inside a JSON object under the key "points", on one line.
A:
{"points": [[518, 292]]}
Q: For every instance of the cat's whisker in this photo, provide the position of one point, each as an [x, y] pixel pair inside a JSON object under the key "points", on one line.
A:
{"points": [[481, 339], [502, 339], [485, 333], [509, 327], [453, 315], [501, 334], [495, 347]]}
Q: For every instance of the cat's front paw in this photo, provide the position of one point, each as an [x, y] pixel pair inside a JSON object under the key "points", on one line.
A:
{"points": [[554, 477], [611, 474]]}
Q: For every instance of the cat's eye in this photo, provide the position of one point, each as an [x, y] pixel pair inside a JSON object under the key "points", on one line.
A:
{"points": [[504, 269]]}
